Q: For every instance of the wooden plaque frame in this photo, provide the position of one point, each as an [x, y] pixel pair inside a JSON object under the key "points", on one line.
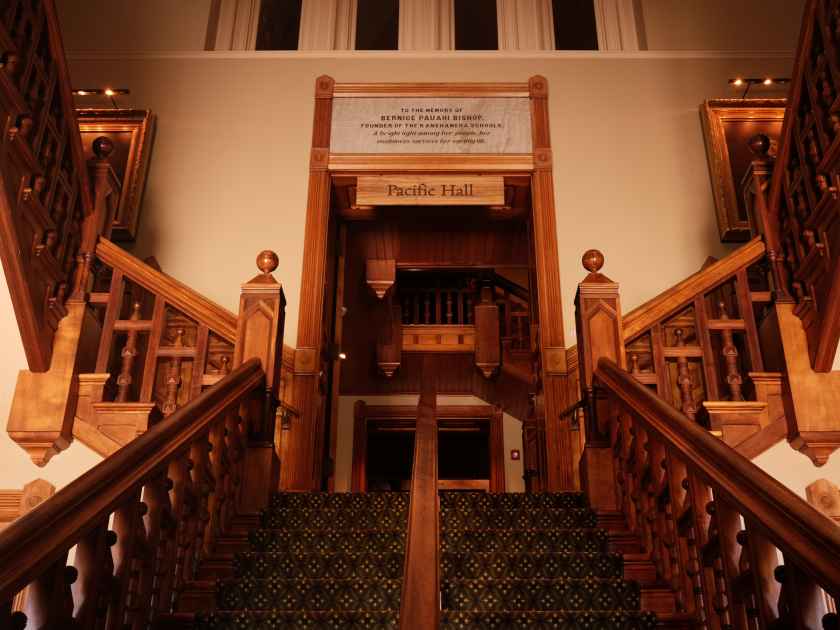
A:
{"points": [[302, 469]]}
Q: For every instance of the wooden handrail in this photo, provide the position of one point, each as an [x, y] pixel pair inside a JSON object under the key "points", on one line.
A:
{"points": [[191, 302], [420, 603], [34, 542], [805, 536], [672, 300]]}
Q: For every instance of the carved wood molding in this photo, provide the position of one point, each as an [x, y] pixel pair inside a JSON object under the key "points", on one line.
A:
{"points": [[16, 503], [825, 496]]}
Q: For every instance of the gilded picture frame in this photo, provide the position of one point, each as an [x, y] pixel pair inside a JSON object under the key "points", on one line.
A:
{"points": [[131, 131], [727, 125]]}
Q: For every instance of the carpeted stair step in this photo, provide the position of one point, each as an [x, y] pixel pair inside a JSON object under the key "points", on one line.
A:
{"points": [[336, 519], [545, 595], [308, 595], [511, 501], [501, 565], [336, 566], [382, 501], [592, 620], [297, 620], [530, 540], [522, 518], [328, 541]]}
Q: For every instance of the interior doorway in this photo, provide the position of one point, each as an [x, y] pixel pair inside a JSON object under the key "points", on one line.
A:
{"points": [[470, 448]]}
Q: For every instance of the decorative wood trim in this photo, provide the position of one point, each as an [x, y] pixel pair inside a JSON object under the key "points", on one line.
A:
{"points": [[825, 496], [409, 163], [179, 295], [434, 338], [668, 302], [16, 503], [356, 90]]}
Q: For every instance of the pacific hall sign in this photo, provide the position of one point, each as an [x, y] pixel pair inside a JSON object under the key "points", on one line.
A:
{"points": [[370, 125], [432, 190]]}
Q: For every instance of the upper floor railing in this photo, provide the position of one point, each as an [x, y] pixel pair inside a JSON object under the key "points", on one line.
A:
{"points": [[798, 220], [47, 218]]}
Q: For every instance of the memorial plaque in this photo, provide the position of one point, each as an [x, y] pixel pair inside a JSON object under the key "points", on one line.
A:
{"points": [[500, 125], [431, 190]]}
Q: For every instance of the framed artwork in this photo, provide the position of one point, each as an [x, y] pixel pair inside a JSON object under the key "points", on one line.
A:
{"points": [[131, 131], [728, 124]]}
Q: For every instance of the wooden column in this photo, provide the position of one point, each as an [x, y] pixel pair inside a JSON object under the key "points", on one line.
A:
{"points": [[259, 334], [302, 471], [488, 345], [600, 334], [553, 353]]}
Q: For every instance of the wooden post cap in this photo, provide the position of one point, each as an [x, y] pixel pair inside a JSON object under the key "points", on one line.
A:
{"points": [[267, 261], [592, 260], [759, 144], [103, 147]]}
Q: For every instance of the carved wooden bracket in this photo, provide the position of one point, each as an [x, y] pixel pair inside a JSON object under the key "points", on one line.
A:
{"points": [[380, 275], [390, 344], [488, 345]]}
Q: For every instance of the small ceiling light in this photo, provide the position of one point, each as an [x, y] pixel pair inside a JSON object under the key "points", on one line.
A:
{"points": [[738, 81], [81, 92], [768, 81], [342, 355], [109, 92]]}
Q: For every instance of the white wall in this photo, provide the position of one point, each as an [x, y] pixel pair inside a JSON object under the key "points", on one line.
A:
{"points": [[512, 436], [134, 24], [16, 468], [721, 24], [794, 469]]}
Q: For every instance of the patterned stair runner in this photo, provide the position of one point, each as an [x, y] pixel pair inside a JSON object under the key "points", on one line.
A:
{"points": [[317, 561], [531, 561]]}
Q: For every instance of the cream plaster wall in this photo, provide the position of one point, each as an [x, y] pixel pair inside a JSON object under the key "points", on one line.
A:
{"points": [[229, 167], [134, 24], [16, 469], [512, 430], [795, 470], [721, 24]]}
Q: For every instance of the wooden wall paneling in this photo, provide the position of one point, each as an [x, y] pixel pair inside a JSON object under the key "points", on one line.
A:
{"points": [[497, 451], [558, 435], [301, 471], [358, 479], [338, 338]]}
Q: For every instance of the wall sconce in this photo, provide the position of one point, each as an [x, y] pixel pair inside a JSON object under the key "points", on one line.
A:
{"points": [[108, 92], [747, 83]]}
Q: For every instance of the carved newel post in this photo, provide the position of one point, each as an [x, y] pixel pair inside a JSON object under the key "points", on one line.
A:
{"points": [[259, 333], [599, 333]]}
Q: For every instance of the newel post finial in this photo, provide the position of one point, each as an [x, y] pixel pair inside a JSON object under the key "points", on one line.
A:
{"points": [[259, 334], [599, 335]]}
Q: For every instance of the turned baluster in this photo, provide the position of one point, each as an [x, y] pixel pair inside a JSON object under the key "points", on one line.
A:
{"points": [[686, 598], [124, 553], [49, 600], [161, 531], [689, 406], [173, 377], [427, 308], [801, 601], [469, 307], [205, 486], [730, 357], [11, 620], [183, 513], [729, 526], [128, 354], [449, 307], [93, 589], [218, 466], [634, 364]]}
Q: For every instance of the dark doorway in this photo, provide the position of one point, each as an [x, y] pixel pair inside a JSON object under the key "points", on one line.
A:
{"points": [[464, 452], [390, 456]]}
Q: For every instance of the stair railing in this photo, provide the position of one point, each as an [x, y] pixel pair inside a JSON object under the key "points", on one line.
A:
{"points": [[139, 522], [738, 549], [798, 223], [420, 598]]}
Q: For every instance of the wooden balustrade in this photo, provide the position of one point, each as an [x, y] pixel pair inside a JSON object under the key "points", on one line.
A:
{"points": [[47, 219], [437, 306], [798, 219], [738, 549], [114, 548]]}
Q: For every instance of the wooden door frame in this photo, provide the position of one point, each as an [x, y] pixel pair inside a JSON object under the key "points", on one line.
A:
{"points": [[302, 469], [364, 414]]}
